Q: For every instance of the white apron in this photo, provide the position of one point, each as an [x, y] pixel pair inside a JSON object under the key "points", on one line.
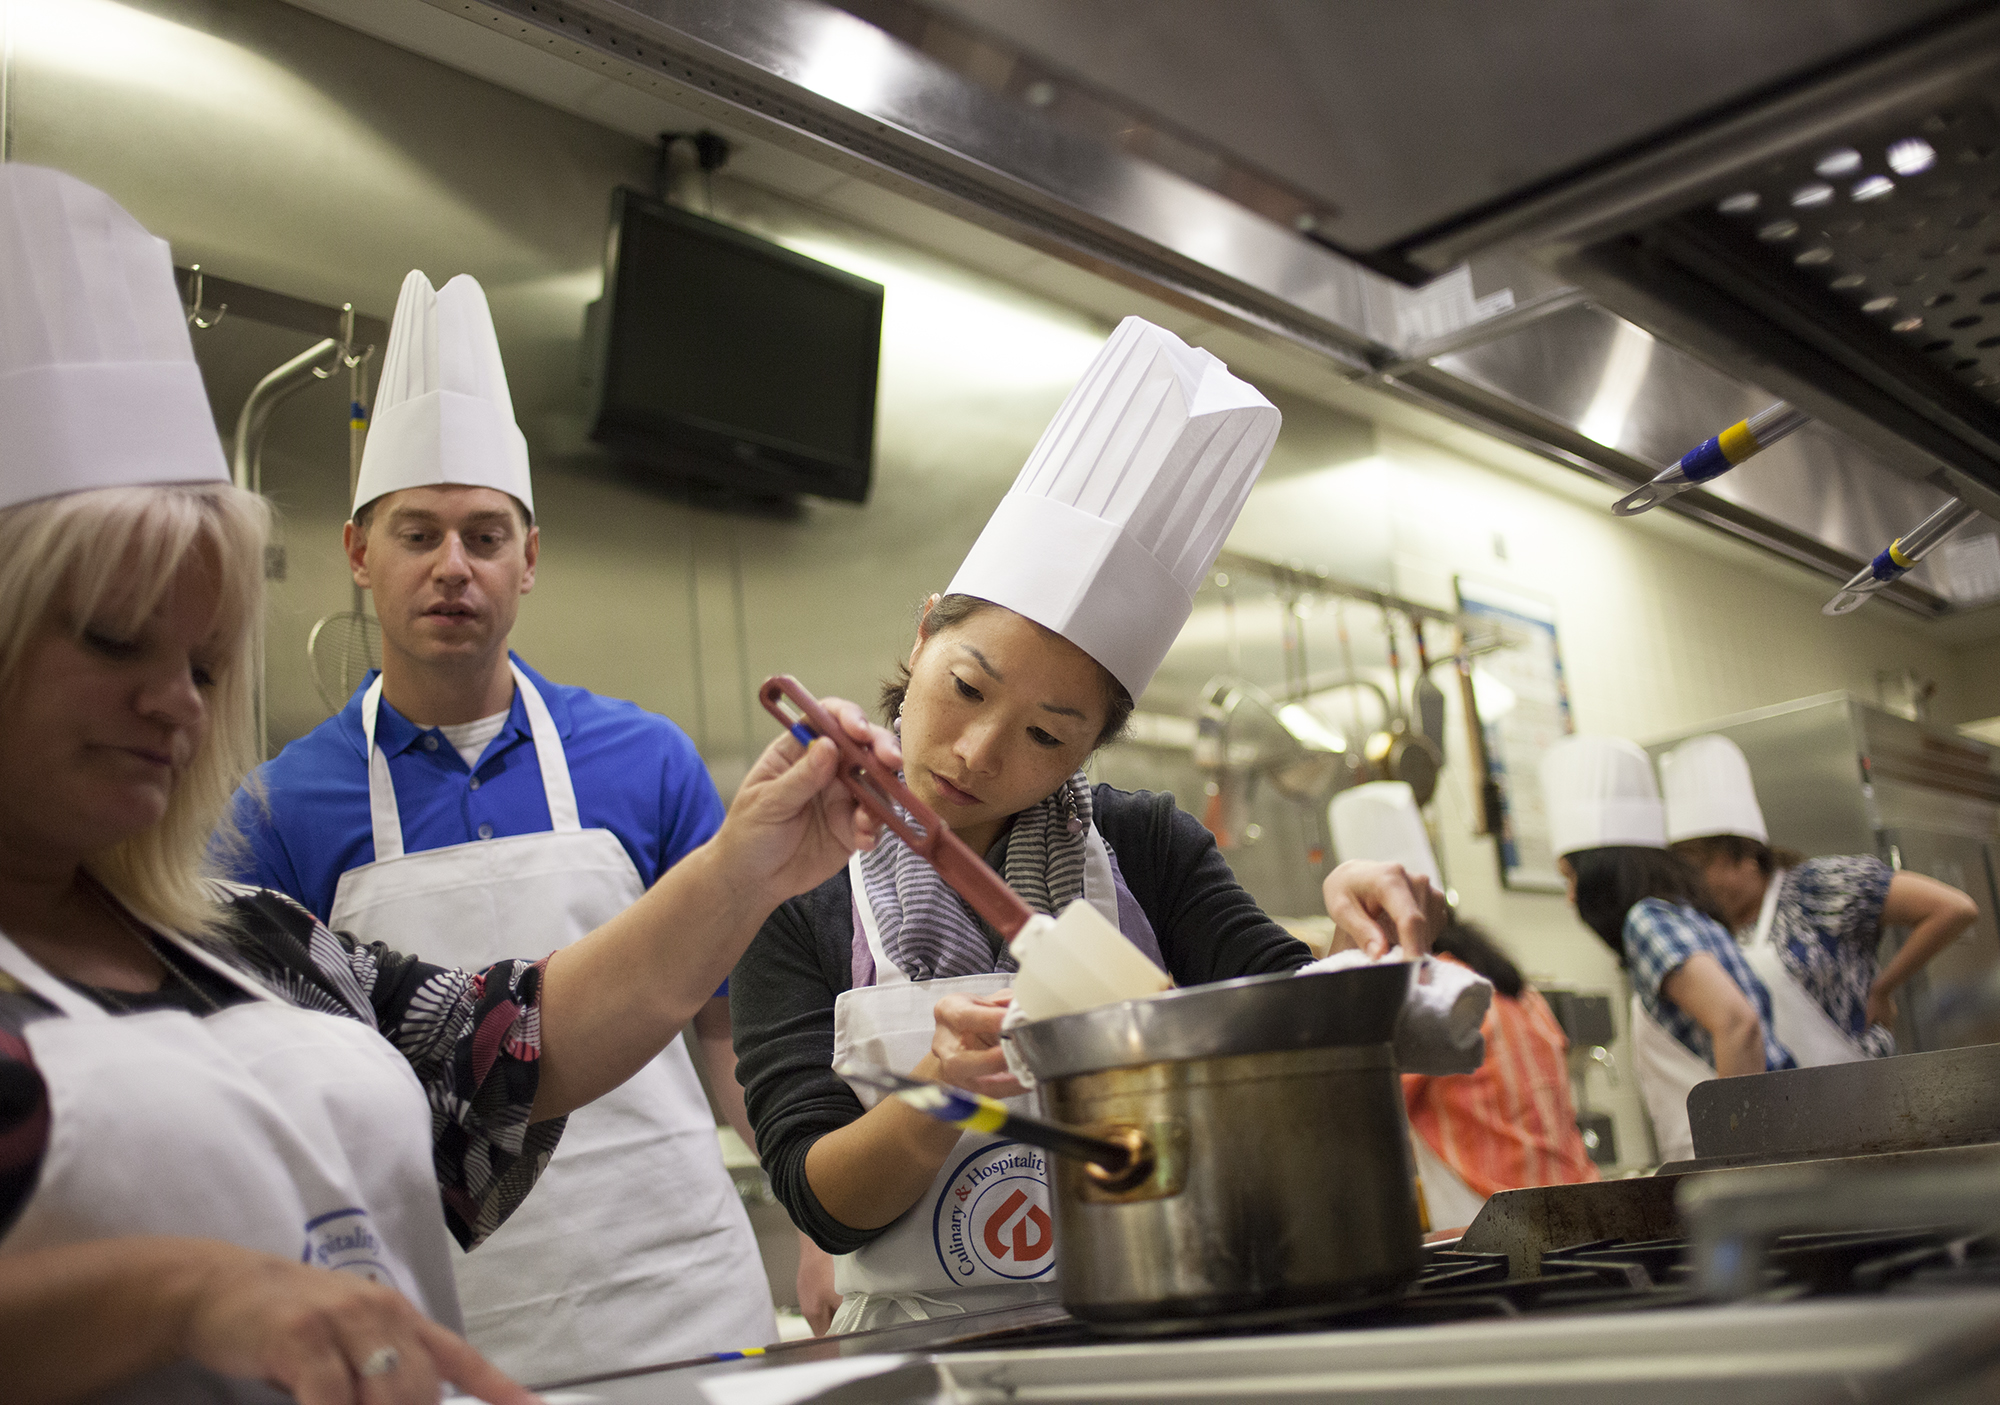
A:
{"points": [[1668, 1071], [1449, 1203], [634, 1247], [280, 1130], [1797, 1019], [982, 1235]]}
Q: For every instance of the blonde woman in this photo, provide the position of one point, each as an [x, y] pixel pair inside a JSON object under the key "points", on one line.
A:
{"points": [[233, 1142]]}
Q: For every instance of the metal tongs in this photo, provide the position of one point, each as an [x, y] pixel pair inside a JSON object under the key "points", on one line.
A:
{"points": [[883, 795]]}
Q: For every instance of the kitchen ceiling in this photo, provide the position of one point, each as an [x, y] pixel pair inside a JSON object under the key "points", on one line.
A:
{"points": [[962, 106]]}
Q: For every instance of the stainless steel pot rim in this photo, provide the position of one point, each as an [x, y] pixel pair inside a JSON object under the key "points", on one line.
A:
{"points": [[1249, 1015]]}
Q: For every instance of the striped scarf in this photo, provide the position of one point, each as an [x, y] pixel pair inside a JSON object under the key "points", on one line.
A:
{"points": [[927, 929]]}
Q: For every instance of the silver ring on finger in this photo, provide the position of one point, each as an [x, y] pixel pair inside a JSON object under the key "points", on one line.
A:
{"points": [[381, 1362]]}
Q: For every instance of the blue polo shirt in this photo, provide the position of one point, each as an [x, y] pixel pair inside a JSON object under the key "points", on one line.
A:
{"points": [[635, 774]]}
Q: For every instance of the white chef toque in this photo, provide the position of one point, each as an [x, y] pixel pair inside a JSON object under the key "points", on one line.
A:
{"points": [[1122, 507], [98, 384], [1706, 782], [1600, 792], [1380, 821], [442, 411]]}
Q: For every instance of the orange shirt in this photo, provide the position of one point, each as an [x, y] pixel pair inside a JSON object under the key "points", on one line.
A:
{"points": [[1510, 1123]]}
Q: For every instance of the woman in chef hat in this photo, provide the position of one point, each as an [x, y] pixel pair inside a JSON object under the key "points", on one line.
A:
{"points": [[1810, 927], [1025, 666], [208, 1102], [1510, 1123], [1698, 1010]]}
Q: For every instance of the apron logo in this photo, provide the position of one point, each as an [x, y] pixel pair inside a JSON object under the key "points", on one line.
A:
{"points": [[344, 1240], [992, 1222]]}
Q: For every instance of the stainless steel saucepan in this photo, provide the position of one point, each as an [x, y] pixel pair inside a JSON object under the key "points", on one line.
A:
{"points": [[1280, 1181]]}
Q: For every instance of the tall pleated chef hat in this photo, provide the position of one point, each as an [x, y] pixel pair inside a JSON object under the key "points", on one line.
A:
{"points": [[98, 385], [442, 411], [1706, 781], [1380, 822], [1122, 507], [1600, 792]]}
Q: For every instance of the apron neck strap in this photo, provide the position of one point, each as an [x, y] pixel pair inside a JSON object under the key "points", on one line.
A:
{"points": [[560, 793], [31, 973], [76, 1005], [549, 751], [1767, 911], [887, 972]]}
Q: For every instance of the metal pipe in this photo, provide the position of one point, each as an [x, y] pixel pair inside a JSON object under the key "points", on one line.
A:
{"points": [[1896, 559], [245, 464], [1714, 457], [246, 468]]}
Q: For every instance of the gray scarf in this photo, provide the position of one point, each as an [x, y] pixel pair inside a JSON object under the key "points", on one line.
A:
{"points": [[927, 929]]}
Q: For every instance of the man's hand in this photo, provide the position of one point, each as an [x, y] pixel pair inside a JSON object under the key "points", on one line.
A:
{"points": [[1380, 906], [966, 1044], [793, 823]]}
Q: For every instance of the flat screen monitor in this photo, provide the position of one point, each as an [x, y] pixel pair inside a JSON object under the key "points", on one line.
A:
{"points": [[727, 360]]}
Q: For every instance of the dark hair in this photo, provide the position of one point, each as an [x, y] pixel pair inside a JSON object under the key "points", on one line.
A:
{"points": [[1611, 880], [952, 610], [1734, 848], [365, 513], [1470, 944]]}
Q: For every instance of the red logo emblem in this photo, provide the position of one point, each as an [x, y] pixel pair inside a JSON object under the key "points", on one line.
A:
{"points": [[992, 1223]]}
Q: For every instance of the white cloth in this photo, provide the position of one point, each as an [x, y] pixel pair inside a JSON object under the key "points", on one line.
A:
{"points": [[1380, 822], [1126, 500], [1706, 784], [1668, 1071], [442, 410], [982, 1235], [98, 383], [1438, 1031], [469, 739], [1798, 1020], [1599, 793], [634, 1247], [281, 1130]]}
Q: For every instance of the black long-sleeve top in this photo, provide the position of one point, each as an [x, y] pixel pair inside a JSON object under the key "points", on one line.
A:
{"points": [[782, 992]]}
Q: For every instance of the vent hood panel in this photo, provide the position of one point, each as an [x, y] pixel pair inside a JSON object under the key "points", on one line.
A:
{"points": [[1395, 119], [1532, 328]]}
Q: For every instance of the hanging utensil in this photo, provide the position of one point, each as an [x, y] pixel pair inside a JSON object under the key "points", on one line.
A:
{"points": [[342, 649], [1426, 698], [881, 793], [1895, 560], [1714, 457], [1123, 1157]]}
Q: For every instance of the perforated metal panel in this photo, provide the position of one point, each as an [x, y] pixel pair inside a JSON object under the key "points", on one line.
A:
{"points": [[1896, 228]]}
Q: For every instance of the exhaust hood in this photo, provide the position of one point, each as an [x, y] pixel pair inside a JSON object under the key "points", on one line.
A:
{"points": [[1551, 222]]}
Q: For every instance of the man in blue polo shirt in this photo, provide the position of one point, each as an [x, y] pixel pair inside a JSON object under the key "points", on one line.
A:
{"points": [[462, 808]]}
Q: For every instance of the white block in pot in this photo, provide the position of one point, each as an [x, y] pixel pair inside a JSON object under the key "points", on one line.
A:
{"points": [[1078, 961]]}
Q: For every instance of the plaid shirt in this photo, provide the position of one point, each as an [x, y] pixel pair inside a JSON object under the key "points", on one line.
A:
{"points": [[1659, 939]]}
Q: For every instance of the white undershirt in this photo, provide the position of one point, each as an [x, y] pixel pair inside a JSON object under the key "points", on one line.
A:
{"points": [[469, 739]]}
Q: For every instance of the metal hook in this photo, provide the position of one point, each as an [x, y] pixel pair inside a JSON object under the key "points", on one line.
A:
{"points": [[349, 358], [194, 309]]}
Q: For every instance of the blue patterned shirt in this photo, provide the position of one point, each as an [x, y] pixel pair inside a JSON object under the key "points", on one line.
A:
{"points": [[1827, 927], [1659, 939]]}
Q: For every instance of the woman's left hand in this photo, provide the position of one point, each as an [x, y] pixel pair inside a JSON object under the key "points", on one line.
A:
{"points": [[793, 823], [1382, 906], [1881, 1006], [966, 1044]]}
